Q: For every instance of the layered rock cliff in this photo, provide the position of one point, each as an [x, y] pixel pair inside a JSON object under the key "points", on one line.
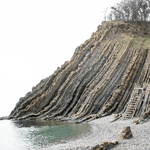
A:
{"points": [[97, 81]]}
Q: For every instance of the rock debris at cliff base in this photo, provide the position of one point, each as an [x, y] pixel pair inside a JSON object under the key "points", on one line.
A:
{"points": [[97, 81]]}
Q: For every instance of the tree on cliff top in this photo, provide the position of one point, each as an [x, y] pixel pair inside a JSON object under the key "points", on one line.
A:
{"points": [[131, 10]]}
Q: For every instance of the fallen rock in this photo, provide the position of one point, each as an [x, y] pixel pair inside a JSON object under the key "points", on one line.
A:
{"points": [[98, 147], [125, 133], [137, 121], [115, 142], [106, 145]]}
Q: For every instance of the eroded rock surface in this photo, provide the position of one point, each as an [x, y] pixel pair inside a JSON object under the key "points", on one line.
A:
{"points": [[97, 81], [125, 133], [106, 145]]}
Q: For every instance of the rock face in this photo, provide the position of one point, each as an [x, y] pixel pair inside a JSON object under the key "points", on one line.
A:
{"points": [[125, 133], [97, 81]]}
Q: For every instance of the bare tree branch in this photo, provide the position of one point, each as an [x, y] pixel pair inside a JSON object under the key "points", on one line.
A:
{"points": [[130, 10]]}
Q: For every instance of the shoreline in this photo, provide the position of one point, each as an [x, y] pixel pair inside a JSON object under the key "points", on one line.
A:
{"points": [[85, 142], [103, 130]]}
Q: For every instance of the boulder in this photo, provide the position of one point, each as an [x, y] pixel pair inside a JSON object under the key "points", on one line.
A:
{"points": [[98, 147], [115, 142], [105, 145], [125, 133], [109, 144], [137, 121]]}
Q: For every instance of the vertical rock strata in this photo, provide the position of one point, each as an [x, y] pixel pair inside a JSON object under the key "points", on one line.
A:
{"points": [[97, 81]]}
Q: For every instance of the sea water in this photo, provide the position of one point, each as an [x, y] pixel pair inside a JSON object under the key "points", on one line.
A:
{"points": [[31, 134]]}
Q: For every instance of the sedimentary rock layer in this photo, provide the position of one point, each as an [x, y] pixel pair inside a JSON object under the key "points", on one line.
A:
{"points": [[97, 81]]}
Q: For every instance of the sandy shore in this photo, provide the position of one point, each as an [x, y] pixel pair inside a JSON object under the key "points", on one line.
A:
{"points": [[103, 130]]}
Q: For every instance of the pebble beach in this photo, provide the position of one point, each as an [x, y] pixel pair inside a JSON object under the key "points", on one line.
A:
{"points": [[105, 130]]}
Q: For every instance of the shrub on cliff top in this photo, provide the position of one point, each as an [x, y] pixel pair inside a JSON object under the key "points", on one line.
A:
{"points": [[131, 10]]}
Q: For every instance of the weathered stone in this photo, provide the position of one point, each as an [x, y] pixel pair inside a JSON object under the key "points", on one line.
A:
{"points": [[136, 121], [115, 142], [98, 147], [109, 144], [125, 133], [106, 145]]}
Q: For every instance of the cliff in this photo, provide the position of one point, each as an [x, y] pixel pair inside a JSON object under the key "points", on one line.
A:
{"points": [[108, 73]]}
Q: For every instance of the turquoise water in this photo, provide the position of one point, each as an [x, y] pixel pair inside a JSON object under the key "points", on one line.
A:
{"points": [[24, 135]]}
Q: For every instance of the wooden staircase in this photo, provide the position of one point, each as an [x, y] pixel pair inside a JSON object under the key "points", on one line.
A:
{"points": [[133, 102]]}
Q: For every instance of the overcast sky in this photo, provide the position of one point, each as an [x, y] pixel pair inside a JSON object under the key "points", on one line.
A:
{"points": [[37, 36]]}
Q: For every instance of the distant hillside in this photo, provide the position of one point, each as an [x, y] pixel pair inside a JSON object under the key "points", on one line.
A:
{"points": [[108, 73]]}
